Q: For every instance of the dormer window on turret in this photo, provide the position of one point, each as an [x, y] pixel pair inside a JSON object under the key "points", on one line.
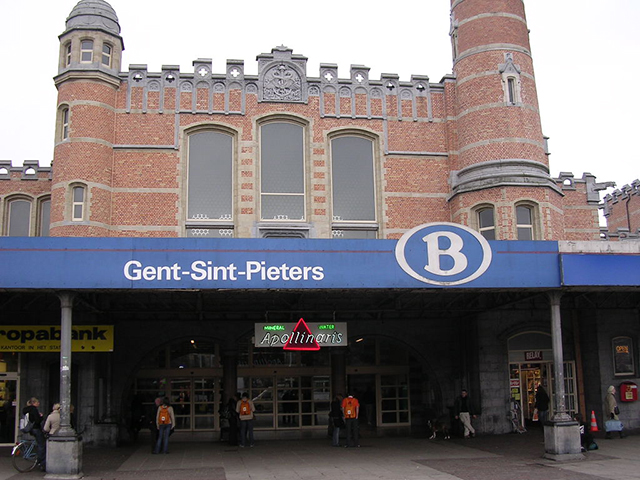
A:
{"points": [[106, 55], [86, 51]]}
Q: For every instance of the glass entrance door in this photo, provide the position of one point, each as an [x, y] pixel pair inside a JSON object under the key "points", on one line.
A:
{"points": [[195, 400], [8, 405]]}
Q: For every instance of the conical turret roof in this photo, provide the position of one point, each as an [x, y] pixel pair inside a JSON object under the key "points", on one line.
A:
{"points": [[93, 15]]}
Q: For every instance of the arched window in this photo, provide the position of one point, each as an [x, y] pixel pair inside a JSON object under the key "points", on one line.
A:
{"points": [[19, 218], [86, 51], [106, 55], [210, 187], [524, 222], [78, 203], [353, 187], [282, 189], [486, 223], [44, 217]]}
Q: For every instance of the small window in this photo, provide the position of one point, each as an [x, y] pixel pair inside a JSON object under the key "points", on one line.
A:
{"points": [[511, 90], [86, 51], [106, 55], [67, 55], [19, 218], [65, 124], [524, 220], [45, 218], [78, 204], [486, 223]]}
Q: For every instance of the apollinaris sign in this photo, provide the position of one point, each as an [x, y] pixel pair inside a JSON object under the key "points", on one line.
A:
{"points": [[300, 335], [46, 338]]}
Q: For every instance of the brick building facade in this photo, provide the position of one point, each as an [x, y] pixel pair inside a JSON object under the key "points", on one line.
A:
{"points": [[443, 151], [190, 156]]}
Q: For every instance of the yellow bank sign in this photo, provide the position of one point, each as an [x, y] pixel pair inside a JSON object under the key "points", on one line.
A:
{"points": [[46, 338]]}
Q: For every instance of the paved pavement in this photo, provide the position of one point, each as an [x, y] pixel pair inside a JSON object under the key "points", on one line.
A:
{"points": [[499, 457]]}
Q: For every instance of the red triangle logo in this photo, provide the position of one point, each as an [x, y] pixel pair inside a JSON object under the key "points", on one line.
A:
{"points": [[301, 338]]}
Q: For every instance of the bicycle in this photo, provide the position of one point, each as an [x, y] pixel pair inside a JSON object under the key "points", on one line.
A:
{"points": [[24, 456]]}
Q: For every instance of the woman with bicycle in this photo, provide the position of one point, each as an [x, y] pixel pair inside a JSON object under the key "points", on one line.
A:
{"points": [[36, 417]]}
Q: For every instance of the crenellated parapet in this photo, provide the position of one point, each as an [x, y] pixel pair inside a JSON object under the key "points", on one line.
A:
{"points": [[567, 183], [619, 195], [282, 78], [29, 170]]}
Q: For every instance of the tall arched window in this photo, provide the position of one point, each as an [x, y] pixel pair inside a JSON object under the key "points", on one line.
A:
{"points": [[353, 187], [282, 192], [19, 218], [64, 123], [210, 188]]}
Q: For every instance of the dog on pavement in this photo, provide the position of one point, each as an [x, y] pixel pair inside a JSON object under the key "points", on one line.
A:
{"points": [[439, 425]]}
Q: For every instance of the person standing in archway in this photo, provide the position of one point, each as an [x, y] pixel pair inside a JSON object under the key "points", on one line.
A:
{"points": [[464, 411]]}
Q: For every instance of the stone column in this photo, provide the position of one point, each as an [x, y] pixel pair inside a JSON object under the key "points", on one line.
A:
{"points": [[64, 449], [338, 371], [230, 374], [561, 433]]}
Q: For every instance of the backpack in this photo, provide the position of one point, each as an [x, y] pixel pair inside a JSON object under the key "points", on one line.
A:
{"points": [[350, 408], [26, 425], [163, 416], [245, 408]]}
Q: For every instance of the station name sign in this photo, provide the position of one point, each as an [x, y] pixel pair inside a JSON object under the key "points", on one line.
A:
{"points": [[301, 335], [46, 338]]}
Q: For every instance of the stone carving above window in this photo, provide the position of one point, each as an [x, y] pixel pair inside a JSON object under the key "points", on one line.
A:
{"points": [[282, 83]]}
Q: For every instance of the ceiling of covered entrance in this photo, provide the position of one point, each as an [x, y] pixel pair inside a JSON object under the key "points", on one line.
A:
{"points": [[43, 306]]}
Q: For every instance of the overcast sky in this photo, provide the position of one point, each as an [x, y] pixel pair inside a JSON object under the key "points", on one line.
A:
{"points": [[585, 56]]}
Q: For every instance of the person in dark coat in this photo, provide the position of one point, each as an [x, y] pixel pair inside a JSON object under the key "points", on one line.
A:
{"points": [[464, 411], [542, 404], [36, 418]]}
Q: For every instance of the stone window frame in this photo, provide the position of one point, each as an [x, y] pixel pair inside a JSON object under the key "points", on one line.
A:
{"points": [[476, 211], [226, 227], [356, 228], [86, 50], [533, 226], [304, 124], [7, 209]]}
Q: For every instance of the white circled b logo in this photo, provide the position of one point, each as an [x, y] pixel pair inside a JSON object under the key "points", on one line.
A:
{"points": [[443, 253]]}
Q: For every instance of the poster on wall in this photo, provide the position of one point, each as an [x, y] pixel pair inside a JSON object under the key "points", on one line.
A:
{"points": [[623, 363]]}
